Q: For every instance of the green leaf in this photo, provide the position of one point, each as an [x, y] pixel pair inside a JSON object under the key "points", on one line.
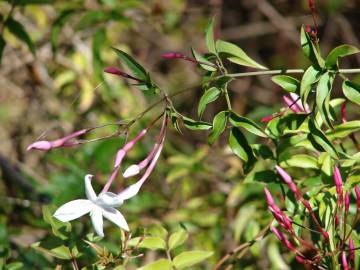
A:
{"points": [[236, 55], [320, 141], [310, 50], [157, 231], [288, 83], [240, 147], [162, 264], [59, 229], [209, 37], [97, 44], [134, 66], [352, 91], [195, 125], [323, 92], [218, 127], [201, 60], [301, 161], [148, 242], [189, 258], [177, 238], [246, 123], [15, 266], [309, 78], [19, 31], [2, 47], [340, 51], [58, 25], [61, 252], [209, 96], [343, 130]]}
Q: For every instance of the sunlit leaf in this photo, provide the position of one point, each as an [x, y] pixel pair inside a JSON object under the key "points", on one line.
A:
{"points": [[340, 51], [246, 123], [134, 66], [352, 91], [209, 96], [286, 82], [236, 55], [177, 238], [219, 125], [162, 264], [209, 36], [189, 258]]}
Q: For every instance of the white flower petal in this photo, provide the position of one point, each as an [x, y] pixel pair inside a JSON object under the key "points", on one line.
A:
{"points": [[116, 217], [90, 193], [109, 199], [97, 220], [73, 210]]}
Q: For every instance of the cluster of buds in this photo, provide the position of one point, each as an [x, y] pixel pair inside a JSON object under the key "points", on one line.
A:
{"points": [[103, 205], [293, 103], [340, 217]]}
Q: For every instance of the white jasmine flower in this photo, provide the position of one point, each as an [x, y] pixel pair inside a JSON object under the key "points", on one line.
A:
{"points": [[98, 207]]}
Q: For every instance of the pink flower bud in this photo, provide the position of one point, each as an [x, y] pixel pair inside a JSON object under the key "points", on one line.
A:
{"points": [[357, 191], [338, 183], [172, 55], [351, 250], [40, 145], [62, 142], [288, 180], [269, 198], [300, 259], [267, 118], [347, 202], [344, 261], [118, 72], [282, 238], [308, 29]]}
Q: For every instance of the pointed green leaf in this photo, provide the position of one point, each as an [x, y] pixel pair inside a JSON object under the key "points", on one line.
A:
{"points": [[195, 125], [246, 123], [301, 161], [205, 64], [134, 66], [190, 258], [18, 30], [311, 50], [219, 125], [209, 37], [343, 130], [236, 55], [59, 229], [323, 92], [148, 242], [177, 238], [309, 78], [240, 146], [61, 252], [352, 91], [320, 141], [209, 96], [340, 51], [162, 264], [288, 83]]}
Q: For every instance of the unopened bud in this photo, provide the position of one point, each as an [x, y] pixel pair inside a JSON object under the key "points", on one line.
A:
{"points": [[40, 145], [344, 261]]}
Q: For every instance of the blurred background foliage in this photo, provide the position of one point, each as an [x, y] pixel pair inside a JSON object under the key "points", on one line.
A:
{"points": [[51, 80]]}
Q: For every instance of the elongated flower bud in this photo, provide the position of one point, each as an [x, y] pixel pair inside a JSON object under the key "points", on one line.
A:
{"points": [[282, 238], [122, 152], [118, 72], [267, 118], [347, 202], [344, 261], [357, 191], [351, 251], [338, 181], [288, 180], [300, 259], [62, 142]]}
